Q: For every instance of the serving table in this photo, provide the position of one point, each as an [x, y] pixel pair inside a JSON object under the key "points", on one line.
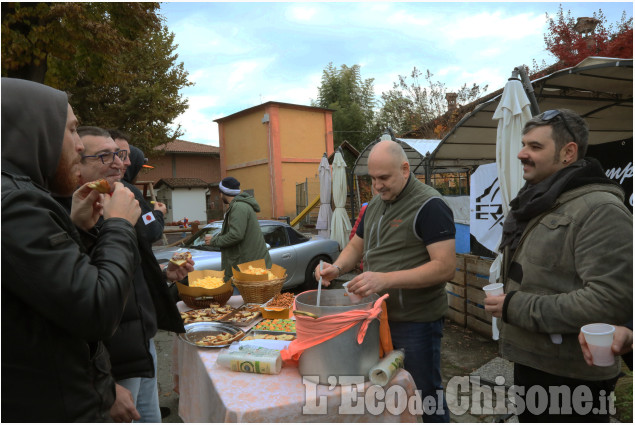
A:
{"points": [[211, 393]]}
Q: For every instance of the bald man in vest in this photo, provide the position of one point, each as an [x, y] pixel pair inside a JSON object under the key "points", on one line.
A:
{"points": [[406, 239]]}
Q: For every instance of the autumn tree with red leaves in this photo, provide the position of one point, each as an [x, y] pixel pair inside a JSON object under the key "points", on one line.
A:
{"points": [[570, 45]]}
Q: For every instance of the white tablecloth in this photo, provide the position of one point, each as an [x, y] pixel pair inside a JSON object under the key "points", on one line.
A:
{"points": [[211, 393]]}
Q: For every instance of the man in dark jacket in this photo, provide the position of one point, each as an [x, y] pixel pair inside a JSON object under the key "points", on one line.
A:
{"points": [[131, 167], [131, 348], [58, 303], [240, 239]]}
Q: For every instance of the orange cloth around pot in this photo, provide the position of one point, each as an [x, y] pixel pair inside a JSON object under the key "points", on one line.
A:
{"points": [[311, 332], [385, 340]]}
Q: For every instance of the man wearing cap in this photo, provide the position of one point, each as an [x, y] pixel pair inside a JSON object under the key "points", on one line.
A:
{"points": [[240, 240]]}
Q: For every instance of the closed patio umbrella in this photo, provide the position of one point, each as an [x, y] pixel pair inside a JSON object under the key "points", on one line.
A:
{"points": [[513, 111], [340, 223], [323, 224]]}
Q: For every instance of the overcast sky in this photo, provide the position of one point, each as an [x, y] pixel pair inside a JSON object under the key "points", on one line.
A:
{"points": [[240, 55]]}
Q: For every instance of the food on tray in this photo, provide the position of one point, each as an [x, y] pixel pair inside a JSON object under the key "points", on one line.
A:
{"points": [[259, 270], [206, 314], [280, 337], [100, 186], [245, 314], [222, 338], [282, 300], [278, 325], [180, 258], [208, 282]]}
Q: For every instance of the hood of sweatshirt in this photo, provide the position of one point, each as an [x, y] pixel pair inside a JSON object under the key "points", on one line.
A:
{"points": [[33, 125], [137, 159], [247, 199]]}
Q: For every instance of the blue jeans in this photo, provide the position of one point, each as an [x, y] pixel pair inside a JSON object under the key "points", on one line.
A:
{"points": [[422, 345], [145, 392]]}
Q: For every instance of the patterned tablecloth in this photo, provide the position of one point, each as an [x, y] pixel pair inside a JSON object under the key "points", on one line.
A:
{"points": [[211, 393]]}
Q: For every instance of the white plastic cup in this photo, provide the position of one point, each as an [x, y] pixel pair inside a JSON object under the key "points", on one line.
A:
{"points": [[599, 338], [355, 299], [493, 289]]}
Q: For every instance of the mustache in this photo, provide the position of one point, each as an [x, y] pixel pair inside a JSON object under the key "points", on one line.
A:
{"points": [[527, 162]]}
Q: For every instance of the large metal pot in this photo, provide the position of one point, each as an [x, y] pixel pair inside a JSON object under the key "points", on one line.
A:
{"points": [[342, 355]]}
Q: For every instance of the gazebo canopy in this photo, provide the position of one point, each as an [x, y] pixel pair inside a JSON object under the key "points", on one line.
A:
{"points": [[416, 150], [599, 89]]}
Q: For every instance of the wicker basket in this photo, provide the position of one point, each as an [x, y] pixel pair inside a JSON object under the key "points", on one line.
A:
{"points": [[192, 301], [259, 292]]}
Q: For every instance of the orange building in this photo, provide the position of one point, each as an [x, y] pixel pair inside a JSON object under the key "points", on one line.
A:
{"points": [[271, 147]]}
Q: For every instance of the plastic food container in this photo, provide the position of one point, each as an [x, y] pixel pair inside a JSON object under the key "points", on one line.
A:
{"points": [[275, 312]]}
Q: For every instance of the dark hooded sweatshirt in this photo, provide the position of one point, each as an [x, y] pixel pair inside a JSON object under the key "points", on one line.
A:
{"points": [[57, 301], [153, 230]]}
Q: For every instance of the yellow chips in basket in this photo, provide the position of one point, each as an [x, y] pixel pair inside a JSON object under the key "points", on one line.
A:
{"points": [[260, 270], [208, 282]]}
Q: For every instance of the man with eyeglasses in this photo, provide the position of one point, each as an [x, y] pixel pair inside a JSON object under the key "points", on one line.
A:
{"points": [[102, 158], [567, 261], [131, 166], [150, 306]]}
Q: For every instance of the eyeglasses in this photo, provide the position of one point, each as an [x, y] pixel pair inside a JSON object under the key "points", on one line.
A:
{"points": [[554, 113], [107, 158]]}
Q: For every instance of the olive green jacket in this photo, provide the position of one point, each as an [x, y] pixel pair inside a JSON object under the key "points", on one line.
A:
{"points": [[240, 239], [575, 262], [391, 244]]}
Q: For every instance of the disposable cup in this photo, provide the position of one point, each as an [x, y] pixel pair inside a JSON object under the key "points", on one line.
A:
{"points": [[493, 289], [351, 296], [599, 338]]}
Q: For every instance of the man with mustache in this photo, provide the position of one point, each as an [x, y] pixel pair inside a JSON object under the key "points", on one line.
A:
{"points": [[406, 239], [567, 246], [150, 306], [58, 302]]}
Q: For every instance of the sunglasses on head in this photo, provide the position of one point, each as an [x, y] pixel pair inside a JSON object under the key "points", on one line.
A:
{"points": [[552, 114]]}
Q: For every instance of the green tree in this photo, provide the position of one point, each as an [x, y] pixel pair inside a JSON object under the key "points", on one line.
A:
{"points": [[411, 105], [352, 100], [116, 60]]}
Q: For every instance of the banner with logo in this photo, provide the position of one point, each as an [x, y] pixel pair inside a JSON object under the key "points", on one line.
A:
{"points": [[486, 210]]}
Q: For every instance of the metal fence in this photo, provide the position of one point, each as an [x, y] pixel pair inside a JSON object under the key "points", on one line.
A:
{"points": [[305, 192]]}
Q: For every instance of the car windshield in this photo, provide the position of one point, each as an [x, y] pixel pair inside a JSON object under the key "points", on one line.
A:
{"points": [[198, 239]]}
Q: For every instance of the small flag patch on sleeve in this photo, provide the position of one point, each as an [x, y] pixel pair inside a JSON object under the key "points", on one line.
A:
{"points": [[148, 218]]}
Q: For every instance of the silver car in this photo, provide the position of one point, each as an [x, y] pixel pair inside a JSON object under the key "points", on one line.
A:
{"points": [[299, 254]]}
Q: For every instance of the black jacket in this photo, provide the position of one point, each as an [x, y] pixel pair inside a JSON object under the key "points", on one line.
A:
{"points": [[150, 305], [57, 302], [153, 230]]}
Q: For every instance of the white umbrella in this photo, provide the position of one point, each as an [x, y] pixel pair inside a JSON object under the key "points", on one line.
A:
{"points": [[513, 111], [340, 223], [323, 224]]}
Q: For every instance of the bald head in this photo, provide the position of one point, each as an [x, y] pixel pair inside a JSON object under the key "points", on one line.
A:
{"points": [[388, 168], [389, 149]]}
